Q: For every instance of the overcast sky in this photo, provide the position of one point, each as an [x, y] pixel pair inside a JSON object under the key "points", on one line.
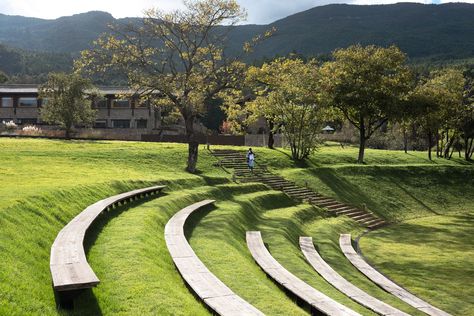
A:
{"points": [[259, 11]]}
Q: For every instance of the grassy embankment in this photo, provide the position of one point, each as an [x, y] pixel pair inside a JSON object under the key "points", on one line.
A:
{"points": [[51, 181]]}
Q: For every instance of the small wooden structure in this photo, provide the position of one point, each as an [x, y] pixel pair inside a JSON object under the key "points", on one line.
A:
{"points": [[318, 302], [215, 294], [340, 283], [70, 270], [382, 281]]}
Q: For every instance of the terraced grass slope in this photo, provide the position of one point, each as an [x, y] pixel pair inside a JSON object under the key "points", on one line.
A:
{"points": [[433, 256], [46, 183]]}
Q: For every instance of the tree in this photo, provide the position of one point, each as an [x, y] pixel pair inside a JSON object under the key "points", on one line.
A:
{"points": [[368, 85], [440, 104], [180, 54], [66, 102], [286, 93], [3, 77]]}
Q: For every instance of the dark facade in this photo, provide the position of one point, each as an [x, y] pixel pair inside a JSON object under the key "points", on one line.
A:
{"points": [[20, 104]]}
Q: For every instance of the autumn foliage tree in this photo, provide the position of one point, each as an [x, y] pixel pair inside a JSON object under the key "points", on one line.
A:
{"points": [[178, 54]]}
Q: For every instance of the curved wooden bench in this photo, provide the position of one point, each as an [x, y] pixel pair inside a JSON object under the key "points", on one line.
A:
{"points": [[340, 283], [382, 281], [68, 264], [317, 300], [206, 285]]}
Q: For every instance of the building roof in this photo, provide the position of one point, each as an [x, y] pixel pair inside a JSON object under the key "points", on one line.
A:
{"points": [[33, 88]]}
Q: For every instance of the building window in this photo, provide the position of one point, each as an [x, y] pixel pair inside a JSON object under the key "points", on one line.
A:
{"points": [[100, 103], [7, 102], [121, 103], [142, 123], [100, 124], [27, 102], [121, 123], [27, 121]]}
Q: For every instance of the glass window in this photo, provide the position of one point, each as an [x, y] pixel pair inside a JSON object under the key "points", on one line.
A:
{"points": [[120, 103], [7, 102], [142, 123], [121, 123], [27, 102], [100, 124]]}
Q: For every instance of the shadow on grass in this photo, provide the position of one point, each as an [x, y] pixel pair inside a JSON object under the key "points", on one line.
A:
{"points": [[87, 297]]}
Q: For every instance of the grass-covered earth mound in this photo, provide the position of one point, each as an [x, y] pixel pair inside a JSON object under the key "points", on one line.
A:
{"points": [[45, 183]]}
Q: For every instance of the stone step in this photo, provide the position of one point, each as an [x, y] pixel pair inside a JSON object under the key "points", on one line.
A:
{"points": [[373, 221], [353, 213], [342, 208], [336, 206], [362, 217], [329, 203], [348, 211], [299, 190], [377, 224], [320, 200]]}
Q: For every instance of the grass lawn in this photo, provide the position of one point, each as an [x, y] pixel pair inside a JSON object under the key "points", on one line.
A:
{"points": [[48, 182], [431, 256]]}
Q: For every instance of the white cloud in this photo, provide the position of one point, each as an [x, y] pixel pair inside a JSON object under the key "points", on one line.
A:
{"points": [[259, 11]]}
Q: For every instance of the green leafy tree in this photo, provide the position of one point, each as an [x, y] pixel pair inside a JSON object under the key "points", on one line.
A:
{"points": [[368, 85], [3, 77], [66, 101], [440, 105], [180, 54], [286, 93]]}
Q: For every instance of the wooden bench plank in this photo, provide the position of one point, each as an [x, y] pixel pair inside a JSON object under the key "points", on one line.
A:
{"points": [[206, 285], [340, 283], [299, 288], [68, 264], [382, 281]]}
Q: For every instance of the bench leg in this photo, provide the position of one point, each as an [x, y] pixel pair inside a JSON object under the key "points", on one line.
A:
{"points": [[65, 299]]}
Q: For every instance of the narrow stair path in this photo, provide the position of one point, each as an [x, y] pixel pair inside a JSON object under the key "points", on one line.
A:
{"points": [[236, 160]]}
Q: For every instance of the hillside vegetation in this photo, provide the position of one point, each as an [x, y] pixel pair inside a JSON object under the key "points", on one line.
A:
{"points": [[50, 181], [428, 32]]}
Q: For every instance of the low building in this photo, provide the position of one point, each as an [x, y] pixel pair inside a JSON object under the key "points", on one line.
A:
{"points": [[20, 103]]}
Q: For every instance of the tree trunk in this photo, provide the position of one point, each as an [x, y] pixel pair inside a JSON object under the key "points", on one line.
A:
{"points": [[67, 134], [405, 140], [271, 139], [437, 145], [193, 145], [430, 144], [362, 140]]}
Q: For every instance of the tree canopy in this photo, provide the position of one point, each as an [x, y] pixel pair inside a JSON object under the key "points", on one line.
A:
{"points": [[178, 54], [66, 101], [368, 85]]}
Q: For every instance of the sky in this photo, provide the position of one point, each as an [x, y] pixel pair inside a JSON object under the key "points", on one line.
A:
{"points": [[259, 11]]}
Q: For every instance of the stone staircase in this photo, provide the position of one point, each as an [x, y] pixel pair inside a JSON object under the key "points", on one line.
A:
{"points": [[231, 159]]}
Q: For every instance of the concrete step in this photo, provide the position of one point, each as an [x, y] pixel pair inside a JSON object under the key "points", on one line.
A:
{"points": [[377, 224], [320, 200], [336, 206], [353, 213], [363, 217], [372, 222], [299, 190], [342, 208], [329, 203], [348, 211]]}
